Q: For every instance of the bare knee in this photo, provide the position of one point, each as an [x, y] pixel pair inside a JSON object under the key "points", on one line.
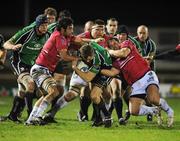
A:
{"points": [[134, 105], [50, 86], [134, 112], [31, 87], [53, 91], [96, 94], [95, 99], [70, 96]]}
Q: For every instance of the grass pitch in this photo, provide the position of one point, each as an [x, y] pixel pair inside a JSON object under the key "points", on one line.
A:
{"points": [[69, 128]]}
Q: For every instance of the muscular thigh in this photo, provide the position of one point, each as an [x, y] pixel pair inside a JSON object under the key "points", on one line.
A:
{"points": [[107, 93], [153, 95], [134, 105], [85, 91], [26, 82], [116, 87], [101, 80], [60, 79], [96, 92]]}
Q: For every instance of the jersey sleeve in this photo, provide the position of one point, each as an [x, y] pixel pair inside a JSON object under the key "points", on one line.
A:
{"points": [[95, 69], [96, 46], [22, 34], [153, 47], [127, 43], [51, 27]]}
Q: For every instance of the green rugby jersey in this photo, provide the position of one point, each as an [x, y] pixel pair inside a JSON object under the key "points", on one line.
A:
{"points": [[51, 27], [31, 45], [101, 60], [147, 48], [135, 42]]}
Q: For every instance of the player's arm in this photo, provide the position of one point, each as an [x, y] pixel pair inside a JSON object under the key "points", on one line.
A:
{"points": [[11, 46], [65, 56], [81, 40], [87, 40], [122, 53], [150, 57], [87, 76], [17, 41], [110, 72]]}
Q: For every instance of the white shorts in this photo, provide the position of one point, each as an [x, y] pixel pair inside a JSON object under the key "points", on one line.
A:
{"points": [[39, 74], [76, 79], [140, 86], [76, 82]]}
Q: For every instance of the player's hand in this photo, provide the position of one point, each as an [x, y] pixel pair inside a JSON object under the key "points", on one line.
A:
{"points": [[99, 40], [16, 47], [78, 40], [74, 64], [149, 58]]}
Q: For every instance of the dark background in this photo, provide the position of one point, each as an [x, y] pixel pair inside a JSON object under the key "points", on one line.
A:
{"points": [[131, 13], [162, 18]]}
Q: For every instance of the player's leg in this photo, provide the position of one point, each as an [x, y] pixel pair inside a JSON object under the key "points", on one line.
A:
{"points": [[154, 97], [96, 97]]}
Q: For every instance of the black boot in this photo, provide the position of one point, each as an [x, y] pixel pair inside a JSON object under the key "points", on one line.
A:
{"points": [[111, 108], [29, 102], [16, 109], [54, 102], [85, 101], [126, 99], [118, 106], [97, 119], [21, 109], [93, 118], [107, 120]]}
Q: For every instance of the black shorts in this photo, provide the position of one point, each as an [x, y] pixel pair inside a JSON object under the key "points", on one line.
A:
{"points": [[142, 96], [19, 68], [101, 80]]}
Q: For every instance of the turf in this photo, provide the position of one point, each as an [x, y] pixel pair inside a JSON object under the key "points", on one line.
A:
{"points": [[69, 128]]}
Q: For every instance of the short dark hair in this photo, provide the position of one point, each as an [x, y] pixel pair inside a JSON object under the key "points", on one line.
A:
{"points": [[86, 50], [99, 22], [50, 11], [123, 29], [111, 39], [64, 14], [64, 23], [112, 19]]}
